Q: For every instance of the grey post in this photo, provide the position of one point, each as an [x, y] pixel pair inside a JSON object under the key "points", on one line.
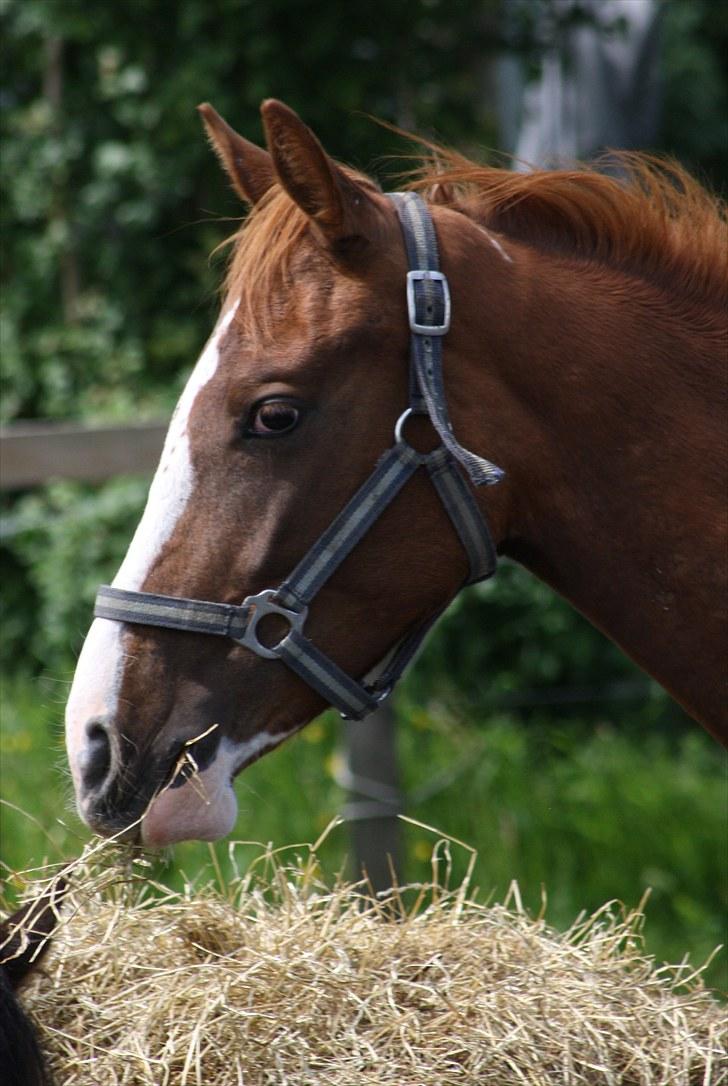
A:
{"points": [[374, 799]]}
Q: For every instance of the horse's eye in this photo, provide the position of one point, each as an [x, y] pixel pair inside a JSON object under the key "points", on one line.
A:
{"points": [[273, 418]]}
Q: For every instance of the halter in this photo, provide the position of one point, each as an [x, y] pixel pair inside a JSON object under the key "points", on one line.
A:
{"points": [[428, 307]]}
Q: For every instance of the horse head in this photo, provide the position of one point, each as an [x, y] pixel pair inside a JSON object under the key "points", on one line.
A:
{"points": [[289, 409], [316, 505]]}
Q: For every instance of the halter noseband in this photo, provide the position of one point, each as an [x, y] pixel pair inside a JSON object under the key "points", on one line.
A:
{"points": [[428, 307]]}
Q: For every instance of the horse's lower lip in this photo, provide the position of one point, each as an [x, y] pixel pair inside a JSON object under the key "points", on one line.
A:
{"points": [[203, 806], [187, 814]]}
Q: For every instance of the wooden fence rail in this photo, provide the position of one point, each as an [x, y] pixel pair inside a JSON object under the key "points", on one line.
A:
{"points": [[32, 453]]}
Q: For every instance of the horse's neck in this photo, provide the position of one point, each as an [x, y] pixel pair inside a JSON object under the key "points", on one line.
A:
{"points": [[604, 410]]}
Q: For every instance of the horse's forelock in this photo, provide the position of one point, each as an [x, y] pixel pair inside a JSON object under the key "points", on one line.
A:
{"points": [[262, 252]]}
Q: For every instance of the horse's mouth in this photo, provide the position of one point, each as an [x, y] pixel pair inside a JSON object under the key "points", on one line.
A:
{"points": [[187, 795], [121, 829], [131, 836], [203, 808], [199, 802]]}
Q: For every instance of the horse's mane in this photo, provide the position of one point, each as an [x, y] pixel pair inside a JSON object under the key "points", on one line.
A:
{"points": [[261, 252], [647, 217]]}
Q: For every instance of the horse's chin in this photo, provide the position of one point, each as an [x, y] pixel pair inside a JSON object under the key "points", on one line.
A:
{"points": [[205, 807], [202, 809]]}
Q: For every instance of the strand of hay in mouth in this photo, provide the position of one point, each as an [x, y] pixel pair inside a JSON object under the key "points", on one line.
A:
{"points": [[278, 979]]}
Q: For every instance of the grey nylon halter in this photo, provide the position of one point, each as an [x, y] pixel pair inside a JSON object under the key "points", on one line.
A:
{"points": [[428, 307]]}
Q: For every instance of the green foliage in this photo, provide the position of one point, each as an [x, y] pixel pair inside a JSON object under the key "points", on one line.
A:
{"points": [[95, 165], [695, 108], [61, 543], [106, 174]]}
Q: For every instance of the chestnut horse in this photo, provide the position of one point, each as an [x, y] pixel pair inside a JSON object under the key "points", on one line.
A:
{"points": [[584, 357]]}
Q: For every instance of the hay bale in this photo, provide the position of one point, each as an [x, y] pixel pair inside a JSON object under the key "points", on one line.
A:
{"points": [[281, 980]]}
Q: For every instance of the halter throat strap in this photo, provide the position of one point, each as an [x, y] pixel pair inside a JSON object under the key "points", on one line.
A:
{"points": [[429, 312]]}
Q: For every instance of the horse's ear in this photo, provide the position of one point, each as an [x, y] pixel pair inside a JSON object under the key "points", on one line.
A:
{"points": [[341, 211], [250, 168]]}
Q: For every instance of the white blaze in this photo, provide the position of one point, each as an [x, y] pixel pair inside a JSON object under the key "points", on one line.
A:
{"points": [[174, 478], [100, 667]]}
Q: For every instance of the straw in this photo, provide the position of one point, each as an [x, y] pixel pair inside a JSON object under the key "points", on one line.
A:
{"points": [[277, 978]]}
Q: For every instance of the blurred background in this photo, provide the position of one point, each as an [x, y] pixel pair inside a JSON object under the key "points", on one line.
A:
{"points": [[520, 730]]}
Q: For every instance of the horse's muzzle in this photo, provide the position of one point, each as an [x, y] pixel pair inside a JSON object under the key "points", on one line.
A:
{"points": [[114, 785]]}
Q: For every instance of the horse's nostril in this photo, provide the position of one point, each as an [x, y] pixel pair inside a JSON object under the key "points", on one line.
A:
{"points": [[96, 757]]}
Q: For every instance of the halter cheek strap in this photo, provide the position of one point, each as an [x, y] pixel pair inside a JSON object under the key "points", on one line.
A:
{"points": [[428, 306], [429, 311]]}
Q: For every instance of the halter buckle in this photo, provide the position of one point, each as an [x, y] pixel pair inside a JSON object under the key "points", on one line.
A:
{"points": [[439, 280], [258, 607], [380, 696]]}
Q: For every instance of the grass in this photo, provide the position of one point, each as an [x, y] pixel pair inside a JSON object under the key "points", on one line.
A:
{"points": [[577, 815]]}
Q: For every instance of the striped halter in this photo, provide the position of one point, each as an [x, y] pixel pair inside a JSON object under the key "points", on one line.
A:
{"points": [[428, 307]]}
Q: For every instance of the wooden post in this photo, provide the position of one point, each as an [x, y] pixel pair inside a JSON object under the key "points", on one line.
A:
{"points": [[374, 797]]}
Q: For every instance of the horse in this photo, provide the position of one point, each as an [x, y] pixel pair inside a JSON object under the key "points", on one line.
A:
{"points": [[24, 940], [399, 389]]}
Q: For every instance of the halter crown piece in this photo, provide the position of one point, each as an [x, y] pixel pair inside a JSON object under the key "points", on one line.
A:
{"points": [[428, 307]]}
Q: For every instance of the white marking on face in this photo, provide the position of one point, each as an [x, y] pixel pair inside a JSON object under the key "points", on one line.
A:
{"points": [[174, 478], [247, 751], [496, 245], [205, 807], [99, 672]]}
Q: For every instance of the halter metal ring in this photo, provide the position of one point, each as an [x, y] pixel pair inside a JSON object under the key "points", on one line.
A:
{"points": [[265, 604], [399, 426], [431, 457]]}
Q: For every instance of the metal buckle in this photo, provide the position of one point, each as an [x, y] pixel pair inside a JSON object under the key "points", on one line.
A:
{"points": [[261, 605], [420, 275], [379, 696]]}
